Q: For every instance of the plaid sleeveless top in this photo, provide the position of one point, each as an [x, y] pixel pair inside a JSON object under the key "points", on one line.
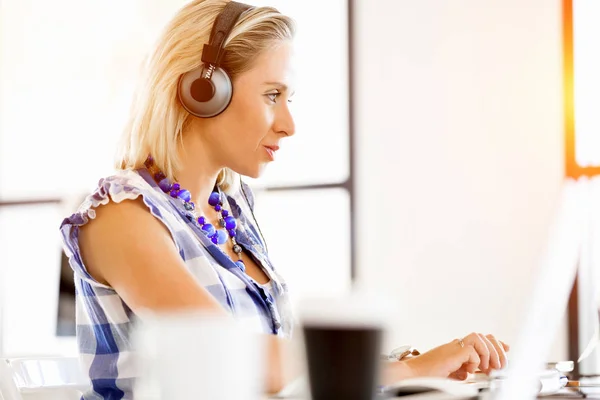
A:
{"points": [[104, 321]]}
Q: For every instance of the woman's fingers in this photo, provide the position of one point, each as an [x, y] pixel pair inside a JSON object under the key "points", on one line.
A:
{"points": [[494, 357], [500, 349], [471, 358], [481, 348], [459, 375]]}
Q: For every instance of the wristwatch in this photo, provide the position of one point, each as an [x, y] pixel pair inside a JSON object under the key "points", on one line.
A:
{"points": [[401, 353]]}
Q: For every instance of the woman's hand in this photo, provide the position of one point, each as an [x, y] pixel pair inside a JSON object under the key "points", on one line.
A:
{"points": [[491, 351], [455, 359]]}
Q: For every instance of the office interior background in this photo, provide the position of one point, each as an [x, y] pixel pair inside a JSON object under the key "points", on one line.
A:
{"points": [[433, 138]]}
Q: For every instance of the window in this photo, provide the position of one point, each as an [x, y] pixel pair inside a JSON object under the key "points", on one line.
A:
{"points": [[65, 89], [304, 202], [308, 236]]}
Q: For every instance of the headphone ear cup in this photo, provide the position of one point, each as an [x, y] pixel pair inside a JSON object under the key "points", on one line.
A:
{"points": [[205, 98], [202, 90]]}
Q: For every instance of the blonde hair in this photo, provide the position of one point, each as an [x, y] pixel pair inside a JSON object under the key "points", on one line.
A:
{"points": [[157, 118]]}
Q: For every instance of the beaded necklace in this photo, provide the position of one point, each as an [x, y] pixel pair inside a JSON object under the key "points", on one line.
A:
{"points": [[228, 222]]}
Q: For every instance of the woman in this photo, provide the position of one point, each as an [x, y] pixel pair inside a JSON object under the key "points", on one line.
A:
{"points": [[174, 228]]}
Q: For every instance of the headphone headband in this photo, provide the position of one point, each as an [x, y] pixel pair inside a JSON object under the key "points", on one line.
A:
{"points": [[213, 52]]}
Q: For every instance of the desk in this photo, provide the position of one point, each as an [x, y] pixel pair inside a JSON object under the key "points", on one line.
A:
{"points": [[443, 396]]}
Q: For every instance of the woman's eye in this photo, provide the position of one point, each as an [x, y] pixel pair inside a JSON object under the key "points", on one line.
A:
{"points": [[273, 96]]}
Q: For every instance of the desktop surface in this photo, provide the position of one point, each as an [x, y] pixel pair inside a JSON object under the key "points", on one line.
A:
{"points": [[566, 395]]}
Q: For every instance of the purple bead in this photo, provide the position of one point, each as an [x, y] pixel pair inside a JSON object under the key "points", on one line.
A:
{"points": [[165, 185], [214, 239], [217, 207], [224, 213], [184, 195], [230, 223], [201, 220], [220, 237], [214, 199], [232, 232], [174, 192], [241, 265], [209, 229], [176, 186], [159, 176]]}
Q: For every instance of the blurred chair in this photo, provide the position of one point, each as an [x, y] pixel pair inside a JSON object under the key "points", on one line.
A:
{"points": [[42, 378]]}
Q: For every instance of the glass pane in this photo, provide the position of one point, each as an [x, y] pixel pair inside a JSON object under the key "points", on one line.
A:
{"points": [[61, 123], [318, 153], [30, 280], [308, 237], [586, 54]]}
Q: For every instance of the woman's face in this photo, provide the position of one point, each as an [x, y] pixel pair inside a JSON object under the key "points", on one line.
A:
{"points": [[247, 135]]}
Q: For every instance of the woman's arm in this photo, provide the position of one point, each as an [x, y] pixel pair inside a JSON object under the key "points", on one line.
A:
{"points": [[130, 250], [455, 359], [127, 248]]}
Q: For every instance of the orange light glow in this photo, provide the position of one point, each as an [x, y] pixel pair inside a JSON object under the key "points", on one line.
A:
{"points": [[572, 169]]}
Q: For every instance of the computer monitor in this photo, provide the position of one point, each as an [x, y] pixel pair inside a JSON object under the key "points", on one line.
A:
{"points": [[549, 297], [65, 321]]}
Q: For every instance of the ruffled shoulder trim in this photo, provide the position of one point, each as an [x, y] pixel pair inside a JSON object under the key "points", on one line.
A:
{"points": [[124, 185]]}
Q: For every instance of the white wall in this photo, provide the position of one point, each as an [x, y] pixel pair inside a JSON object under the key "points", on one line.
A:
{"points": [[460, 159]]}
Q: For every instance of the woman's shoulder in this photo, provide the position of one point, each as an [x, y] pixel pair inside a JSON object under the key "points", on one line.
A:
{"points": [[121, 185], [107, 203]]}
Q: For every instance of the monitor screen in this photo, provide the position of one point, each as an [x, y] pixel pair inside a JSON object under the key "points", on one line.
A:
{"points": [[65, 324]]}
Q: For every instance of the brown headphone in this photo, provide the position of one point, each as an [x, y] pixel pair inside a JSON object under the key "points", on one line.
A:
{"points": [[207, 90]]}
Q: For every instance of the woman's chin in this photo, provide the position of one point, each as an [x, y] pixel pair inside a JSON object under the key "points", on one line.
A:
{"points": [[254, 173]]}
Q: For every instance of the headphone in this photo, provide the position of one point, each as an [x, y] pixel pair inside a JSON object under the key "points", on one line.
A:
{"points": [[206, 91]]}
